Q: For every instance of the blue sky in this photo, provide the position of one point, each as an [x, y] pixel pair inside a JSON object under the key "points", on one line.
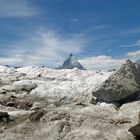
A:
{"points": [[101, 33]]}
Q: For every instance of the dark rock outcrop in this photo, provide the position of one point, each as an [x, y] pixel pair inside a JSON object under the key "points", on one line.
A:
{"points": [[35, 116], [124, 85], [135, 130], [4, 117], [71, 63]]}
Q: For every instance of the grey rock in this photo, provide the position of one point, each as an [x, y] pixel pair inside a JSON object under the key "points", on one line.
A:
{"points": [[35, 116], [124, 85], [135, 130], [36, 106], [4, 117], [93, 100], [24, 85]]}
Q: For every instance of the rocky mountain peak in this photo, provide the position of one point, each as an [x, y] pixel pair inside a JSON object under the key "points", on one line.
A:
{"points": [[71, 54], [71, 63]]}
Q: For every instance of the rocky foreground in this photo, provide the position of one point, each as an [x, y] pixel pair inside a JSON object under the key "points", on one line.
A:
{"points": [[41, 104]]}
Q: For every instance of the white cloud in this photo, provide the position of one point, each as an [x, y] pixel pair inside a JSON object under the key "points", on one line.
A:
{"points": [[46, 47], [51, 49], [10, 60], [134, 55], [16, 8], [102, 62]]}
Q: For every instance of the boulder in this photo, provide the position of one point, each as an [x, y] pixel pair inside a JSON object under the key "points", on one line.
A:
{"points": [[135, 130], [124, 85], [24, 85], [4, 117]]}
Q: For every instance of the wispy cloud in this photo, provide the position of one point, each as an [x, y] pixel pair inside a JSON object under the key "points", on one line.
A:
{"points": [[10, 60], [98, 27], [45, 47], [102, 62], [134, 55], [50, 48], [137, 43], [132, 31], [17, 8], [74, 20]]}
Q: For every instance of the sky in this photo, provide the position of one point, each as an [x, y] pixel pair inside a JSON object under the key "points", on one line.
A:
{"points": [[102, 34]]}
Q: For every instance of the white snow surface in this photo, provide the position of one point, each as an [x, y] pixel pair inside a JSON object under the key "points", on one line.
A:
{"points": [[58, 83]]}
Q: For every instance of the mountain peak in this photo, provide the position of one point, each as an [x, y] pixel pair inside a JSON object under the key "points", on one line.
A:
{"points": [[71, 54], [71, 63]]}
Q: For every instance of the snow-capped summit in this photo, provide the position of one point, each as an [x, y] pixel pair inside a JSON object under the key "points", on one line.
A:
{"points": [[71, 63]]}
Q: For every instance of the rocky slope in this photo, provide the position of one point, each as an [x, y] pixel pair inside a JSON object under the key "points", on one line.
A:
{"points": [[43, 104]]}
